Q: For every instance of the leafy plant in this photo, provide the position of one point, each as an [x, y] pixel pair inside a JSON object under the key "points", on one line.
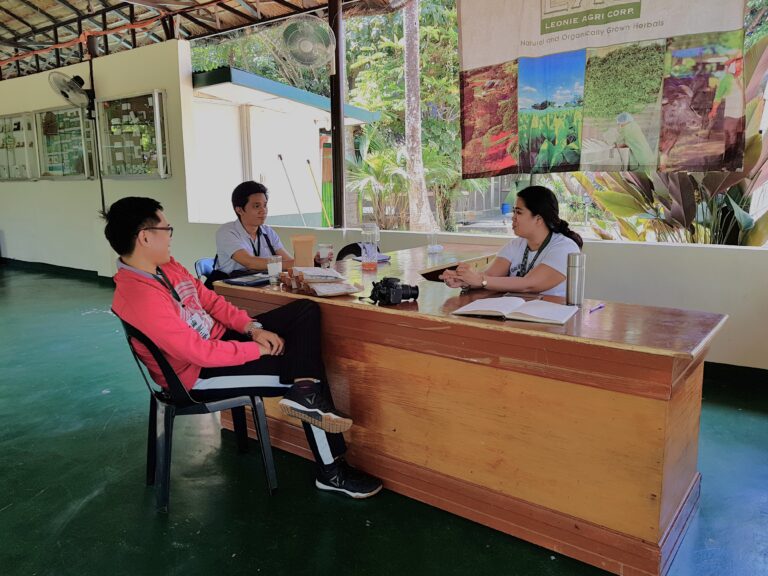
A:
{"points": [[626, 79]]}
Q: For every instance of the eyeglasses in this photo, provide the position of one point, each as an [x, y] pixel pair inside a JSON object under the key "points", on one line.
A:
{"points": [[167, 228]]}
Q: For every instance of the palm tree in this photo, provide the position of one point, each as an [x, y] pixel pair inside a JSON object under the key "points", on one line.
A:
{"points": [[420, 213]]}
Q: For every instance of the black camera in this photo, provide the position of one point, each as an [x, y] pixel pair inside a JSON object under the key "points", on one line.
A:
{"points": [[391, 291]]}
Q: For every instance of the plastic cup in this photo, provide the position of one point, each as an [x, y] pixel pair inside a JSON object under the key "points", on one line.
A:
{"points": [[274, 268]]}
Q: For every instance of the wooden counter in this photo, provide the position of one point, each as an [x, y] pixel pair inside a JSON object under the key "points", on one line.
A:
{"points": [[582, 438]]}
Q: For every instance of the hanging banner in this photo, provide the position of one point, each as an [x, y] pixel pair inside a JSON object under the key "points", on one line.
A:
{"points": [[596, 80], [497, 31]]}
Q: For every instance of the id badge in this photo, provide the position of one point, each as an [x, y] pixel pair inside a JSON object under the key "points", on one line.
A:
{"points": [[199, 325]]}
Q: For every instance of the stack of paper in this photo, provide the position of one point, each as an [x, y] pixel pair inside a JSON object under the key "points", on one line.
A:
{"points": [[311, 275], [324, 289]]}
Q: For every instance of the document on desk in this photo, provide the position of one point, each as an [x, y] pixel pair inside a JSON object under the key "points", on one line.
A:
{"points": [[311, 275], [512, 308], [327, 289]]}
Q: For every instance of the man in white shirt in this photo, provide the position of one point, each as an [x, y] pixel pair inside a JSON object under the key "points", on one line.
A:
{"points": [[247, 243]]}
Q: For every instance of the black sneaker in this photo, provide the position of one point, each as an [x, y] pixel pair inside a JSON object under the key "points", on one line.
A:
{"points": [[309, 405], [343, 478]]}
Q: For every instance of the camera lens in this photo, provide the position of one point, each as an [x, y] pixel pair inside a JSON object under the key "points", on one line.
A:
{"points": [[410, 292]]}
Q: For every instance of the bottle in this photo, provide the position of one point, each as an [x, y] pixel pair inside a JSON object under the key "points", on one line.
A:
{"points": [[575, 277]]}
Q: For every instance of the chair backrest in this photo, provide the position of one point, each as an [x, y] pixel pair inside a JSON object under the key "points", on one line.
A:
{"points": [[352, 250], [204, 267], [349, 251], [175, 391]]}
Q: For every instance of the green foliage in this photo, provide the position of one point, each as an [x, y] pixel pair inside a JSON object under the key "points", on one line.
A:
{"points": [[549, 139], [755, 22], [626, 79], [257, 51]]}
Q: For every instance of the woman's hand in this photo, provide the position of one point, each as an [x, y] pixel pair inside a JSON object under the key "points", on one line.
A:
{"points": [[452, 279], [470, 277], [269, 342]]}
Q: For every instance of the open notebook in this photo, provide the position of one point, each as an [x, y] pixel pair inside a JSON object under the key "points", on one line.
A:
{"points": [[513, 308]]}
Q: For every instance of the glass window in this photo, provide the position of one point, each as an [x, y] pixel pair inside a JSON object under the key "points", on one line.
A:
{"points": [[17, 148], [134, 136], [65, 144]]}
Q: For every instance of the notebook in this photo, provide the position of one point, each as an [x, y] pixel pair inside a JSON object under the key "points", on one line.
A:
{"points": [[513, 308], [257, 279]]}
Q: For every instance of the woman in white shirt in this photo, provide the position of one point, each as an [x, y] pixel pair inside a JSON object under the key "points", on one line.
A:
{"points": [[536, 261]]}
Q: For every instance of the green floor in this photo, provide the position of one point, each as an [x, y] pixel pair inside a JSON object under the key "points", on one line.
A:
{"points": [[73, 501]]}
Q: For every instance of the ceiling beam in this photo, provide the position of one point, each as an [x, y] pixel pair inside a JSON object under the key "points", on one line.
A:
{"points": [[248, 8], [198, 22], [287, 4], [239, 14]]}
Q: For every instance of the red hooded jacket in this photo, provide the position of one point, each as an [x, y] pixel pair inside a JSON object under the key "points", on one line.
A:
{"points": [[146, 303]]}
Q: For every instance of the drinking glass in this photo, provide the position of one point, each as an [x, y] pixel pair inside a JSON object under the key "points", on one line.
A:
{"points": [[274, 267], [324, 251]]}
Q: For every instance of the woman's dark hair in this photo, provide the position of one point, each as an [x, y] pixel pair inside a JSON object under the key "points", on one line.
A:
{"points": [[125, 218], [245, 190], [541, 201]]}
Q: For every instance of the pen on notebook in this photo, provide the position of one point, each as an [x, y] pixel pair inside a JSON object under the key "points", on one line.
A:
{"points": [[596, 308]]}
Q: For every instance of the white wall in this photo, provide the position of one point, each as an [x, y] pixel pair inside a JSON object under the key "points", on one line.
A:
{"points": [[218, 165], [297, 138], [56, 222]]}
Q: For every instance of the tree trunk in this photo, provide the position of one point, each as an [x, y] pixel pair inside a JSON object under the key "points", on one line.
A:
{"points": [[351, 211], [421, 218]]}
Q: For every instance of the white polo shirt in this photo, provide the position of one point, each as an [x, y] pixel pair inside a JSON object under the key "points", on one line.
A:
{"points": [[554, 255], [231, 237]]}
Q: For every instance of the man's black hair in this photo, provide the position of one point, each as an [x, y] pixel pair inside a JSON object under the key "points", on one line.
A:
{"points": [[125, 218], [245, 190]]}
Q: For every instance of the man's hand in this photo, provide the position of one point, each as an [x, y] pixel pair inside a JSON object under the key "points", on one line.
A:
{"points": [[269, 342]]}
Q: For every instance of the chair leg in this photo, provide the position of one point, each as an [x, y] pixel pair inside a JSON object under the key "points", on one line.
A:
{"points": [[260, 420], [163, 473], [241, 428], [152, 441]]}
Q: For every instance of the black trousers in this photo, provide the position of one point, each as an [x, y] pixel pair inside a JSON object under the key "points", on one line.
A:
{"points": [[298, 323]]}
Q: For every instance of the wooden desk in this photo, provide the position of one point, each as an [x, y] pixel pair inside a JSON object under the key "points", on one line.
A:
{"points": [[581, 438]]}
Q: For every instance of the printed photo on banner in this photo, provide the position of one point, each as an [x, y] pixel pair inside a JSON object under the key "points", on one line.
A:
{"points": [[550, 100], [489, 120], [703, 103], [622, 107]]}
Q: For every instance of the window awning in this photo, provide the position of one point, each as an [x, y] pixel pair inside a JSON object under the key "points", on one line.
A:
{"points": [[241, 87]]}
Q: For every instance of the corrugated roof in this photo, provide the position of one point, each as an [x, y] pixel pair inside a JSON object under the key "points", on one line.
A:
{"points": [[27, 26]]}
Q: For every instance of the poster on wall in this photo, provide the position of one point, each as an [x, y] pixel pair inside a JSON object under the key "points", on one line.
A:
{"points": [[703, 103], [622, 107], [551, 92], [594, 83], [489, 127]]}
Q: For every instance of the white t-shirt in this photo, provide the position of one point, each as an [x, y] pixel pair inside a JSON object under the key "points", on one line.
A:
{"points": [[231, 237], [554, 255]]}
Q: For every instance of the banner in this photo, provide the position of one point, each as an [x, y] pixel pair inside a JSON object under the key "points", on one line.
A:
{"points": [[565, 85]]}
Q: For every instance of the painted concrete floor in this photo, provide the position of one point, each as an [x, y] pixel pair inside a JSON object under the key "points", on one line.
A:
{"points": [[72, 497]]}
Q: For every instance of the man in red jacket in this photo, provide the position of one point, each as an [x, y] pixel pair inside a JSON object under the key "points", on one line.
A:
{"points": [[215, 347]]}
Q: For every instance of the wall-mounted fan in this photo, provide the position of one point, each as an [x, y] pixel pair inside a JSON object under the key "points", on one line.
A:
{"points": [[309, 41], [71, 89]]}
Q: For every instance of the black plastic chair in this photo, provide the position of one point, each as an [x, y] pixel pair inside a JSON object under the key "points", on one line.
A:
{"points": [[353, 250], [176, 401], [350, 251]]}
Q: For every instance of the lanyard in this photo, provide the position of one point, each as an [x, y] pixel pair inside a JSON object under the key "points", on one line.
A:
{"points": [[524, 268], [257, 247], [163, 279]]}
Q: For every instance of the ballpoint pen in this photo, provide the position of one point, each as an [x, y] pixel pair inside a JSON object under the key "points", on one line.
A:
{"points": [[596, 308]]}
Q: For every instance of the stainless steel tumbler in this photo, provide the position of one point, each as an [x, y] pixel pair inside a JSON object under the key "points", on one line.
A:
{"points": [[575, 277]]}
